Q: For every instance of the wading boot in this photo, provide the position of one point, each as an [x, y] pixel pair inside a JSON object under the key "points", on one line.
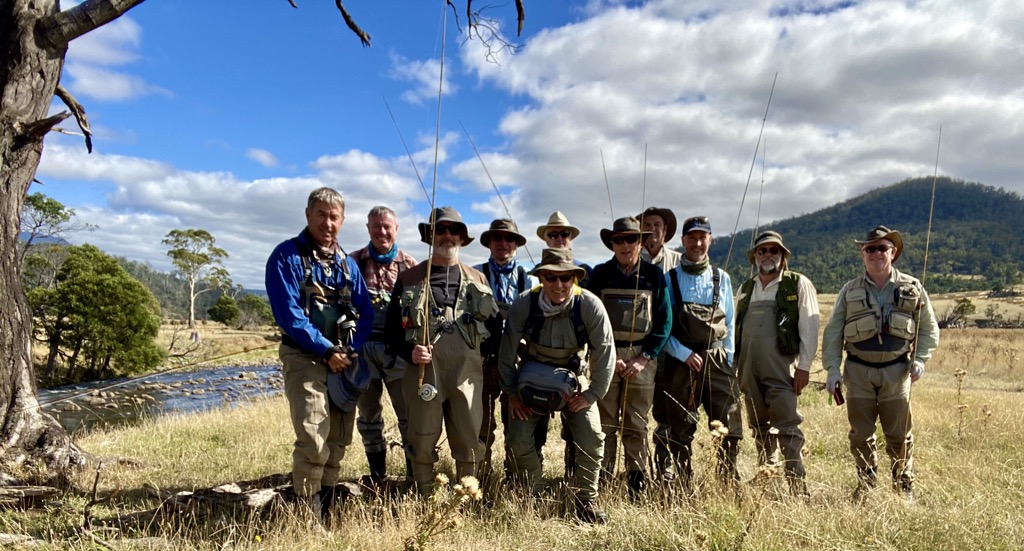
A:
{"points": [[378, 462], [588, 512], [637, 484], [867, 479]]}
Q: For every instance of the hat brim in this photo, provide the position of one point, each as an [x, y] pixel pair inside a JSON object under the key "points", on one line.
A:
{"points": [[578, 271], [893, 236], [608, 235], [667, 215], [485, 238], [463, 233]]}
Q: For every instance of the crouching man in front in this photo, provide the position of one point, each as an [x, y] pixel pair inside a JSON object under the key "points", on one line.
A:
{"points": [[558, 321]]}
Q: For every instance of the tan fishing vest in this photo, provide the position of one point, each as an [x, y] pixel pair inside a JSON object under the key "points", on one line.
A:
{"points": [[881, 332]]}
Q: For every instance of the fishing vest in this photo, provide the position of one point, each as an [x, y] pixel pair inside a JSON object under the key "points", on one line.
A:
{"points": [[699, 327], [629, 310], [571, 357], [883, 333], [329, 309], [787, 312], [379, 298], [474, 305]]}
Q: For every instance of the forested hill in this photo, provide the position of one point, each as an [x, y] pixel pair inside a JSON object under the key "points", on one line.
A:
{"points": [[976, 239]]}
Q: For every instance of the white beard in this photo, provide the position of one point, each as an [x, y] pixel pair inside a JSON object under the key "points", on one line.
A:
{"points": [[450, 252], [769, 266]]}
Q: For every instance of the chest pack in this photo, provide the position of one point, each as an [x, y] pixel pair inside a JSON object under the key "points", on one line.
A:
{"points": [[549, 376], [880, 331], [787, 312], [698, 326], [329, 308], [629, 311]]}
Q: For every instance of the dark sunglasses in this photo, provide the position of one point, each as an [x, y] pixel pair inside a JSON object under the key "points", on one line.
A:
{"points": [[506, 237], [768, 250], [564, 234], [620, 239], [564, 278], [697, 219], [871, 249], [450, 229]]}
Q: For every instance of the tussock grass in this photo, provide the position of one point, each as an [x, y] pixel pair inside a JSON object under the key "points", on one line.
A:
{"points": [[970, 488]]}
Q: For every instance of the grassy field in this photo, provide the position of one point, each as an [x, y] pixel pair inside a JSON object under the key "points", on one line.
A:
{"points": [[969, 464]]}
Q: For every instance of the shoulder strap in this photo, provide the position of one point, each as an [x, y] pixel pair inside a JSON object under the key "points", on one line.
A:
{"points": [[521, 281], [675, 285], [535, 318], [582, 337], [716, 283]]}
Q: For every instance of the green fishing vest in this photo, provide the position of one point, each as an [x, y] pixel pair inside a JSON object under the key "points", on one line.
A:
{"points": [[787, 312]]}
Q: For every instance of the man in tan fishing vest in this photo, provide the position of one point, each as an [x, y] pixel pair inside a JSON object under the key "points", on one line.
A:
{"points": [[633, 293], [884, 321], [776, 339], [436, 322], [557, 321]]}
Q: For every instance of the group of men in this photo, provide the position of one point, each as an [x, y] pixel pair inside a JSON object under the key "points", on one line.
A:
{"points": [[651, 332]]}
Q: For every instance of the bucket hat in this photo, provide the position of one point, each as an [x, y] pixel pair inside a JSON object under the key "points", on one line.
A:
{"points": [[502, 225], [558, 260], [447, 215], [766, 238]]}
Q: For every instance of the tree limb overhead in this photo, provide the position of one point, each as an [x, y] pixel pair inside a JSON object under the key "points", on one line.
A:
{"points": [[56, 31], [363, 36], [79, 112]]}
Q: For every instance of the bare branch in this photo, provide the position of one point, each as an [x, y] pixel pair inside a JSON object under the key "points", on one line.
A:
{"points": [[521, 16], [363, 36], [56, 31], [294, 5], [488, 31], [79, 112], [35, 131]]}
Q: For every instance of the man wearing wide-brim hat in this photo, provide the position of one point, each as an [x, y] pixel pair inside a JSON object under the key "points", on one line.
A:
{"points": [[508, 279], [437, 322], [558, 233], [884, 321], [776, 339], [634, 295], [558, 321], [661, 222]]}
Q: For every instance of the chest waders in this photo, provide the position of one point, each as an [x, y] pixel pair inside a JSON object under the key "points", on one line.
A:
{"points": [[787, 312], [691, 321]]}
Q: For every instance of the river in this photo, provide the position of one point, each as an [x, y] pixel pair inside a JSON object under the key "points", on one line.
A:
{"points": [[117, 402]]}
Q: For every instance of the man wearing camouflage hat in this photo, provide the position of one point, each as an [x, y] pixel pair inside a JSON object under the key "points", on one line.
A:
{"points": [[776, 340]]}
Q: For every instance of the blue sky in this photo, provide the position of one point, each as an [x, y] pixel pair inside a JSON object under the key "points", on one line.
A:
{"points": [[210, 116]]}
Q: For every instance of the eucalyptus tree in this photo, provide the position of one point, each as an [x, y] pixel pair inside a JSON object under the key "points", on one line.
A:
{"points": [[197, 258], [34, 38]]}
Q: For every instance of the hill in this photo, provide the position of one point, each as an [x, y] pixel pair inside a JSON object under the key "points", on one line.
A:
{"points": [[975, 240]]}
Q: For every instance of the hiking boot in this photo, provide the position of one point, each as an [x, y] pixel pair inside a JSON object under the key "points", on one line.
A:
{"points": [[378, 462], [866, 481], [588, 512], [798, 488], [906, 491], [327, 496], [637, 484]]}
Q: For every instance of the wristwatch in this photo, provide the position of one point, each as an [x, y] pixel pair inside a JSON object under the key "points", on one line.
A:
{"points": [[647, 355]]}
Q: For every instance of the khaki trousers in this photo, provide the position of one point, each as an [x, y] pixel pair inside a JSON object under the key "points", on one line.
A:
{"points": [[386, 372], [880, 394], [322, 431], [457, 373], [627, 406]]}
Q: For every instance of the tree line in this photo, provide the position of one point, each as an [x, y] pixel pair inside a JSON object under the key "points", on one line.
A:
{"points": [[98, 316]]}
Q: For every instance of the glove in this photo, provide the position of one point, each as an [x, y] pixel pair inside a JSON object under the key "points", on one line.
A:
{"points": [[834, 379], [916, 371]]}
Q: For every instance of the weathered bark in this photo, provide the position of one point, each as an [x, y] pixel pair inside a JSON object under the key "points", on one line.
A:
{"points": [[33, 42]]}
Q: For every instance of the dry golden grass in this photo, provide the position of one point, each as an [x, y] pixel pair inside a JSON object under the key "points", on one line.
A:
{"points": [[969, 465]]}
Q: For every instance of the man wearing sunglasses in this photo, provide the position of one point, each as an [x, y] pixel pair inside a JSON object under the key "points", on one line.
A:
{"points": [[776, 339], [699, 369], [884, 321], [633, 293], [558, 322], [558, 233], [508, 279], [437, 322]]}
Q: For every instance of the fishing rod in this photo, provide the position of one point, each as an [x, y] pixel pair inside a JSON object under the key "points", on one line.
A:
{"points": [[753, 162], [494, 185], [408, 153], [428, 392], [611, 209]]}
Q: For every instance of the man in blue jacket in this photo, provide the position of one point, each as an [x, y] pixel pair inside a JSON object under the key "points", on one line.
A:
{"points": [[321, 304]]}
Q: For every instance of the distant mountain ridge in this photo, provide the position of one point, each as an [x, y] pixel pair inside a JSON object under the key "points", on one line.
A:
{"points": [[975, 232]]}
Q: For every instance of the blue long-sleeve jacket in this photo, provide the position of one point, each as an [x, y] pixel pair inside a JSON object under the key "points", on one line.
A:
{"points": [[284, 276]]}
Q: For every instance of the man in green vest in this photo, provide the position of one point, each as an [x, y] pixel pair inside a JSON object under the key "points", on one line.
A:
{"points": [[884, 321], [777, 336]]}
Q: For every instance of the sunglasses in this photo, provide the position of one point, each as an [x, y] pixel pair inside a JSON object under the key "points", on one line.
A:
{"points": [[450, 229], [565, 234], [564, 278], [506, 237], [697, 219], [768, 250], [620, 239], [871, 249]]}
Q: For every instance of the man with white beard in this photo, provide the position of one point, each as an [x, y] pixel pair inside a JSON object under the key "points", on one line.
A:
{"points": [[436, 322], [776, 339]]}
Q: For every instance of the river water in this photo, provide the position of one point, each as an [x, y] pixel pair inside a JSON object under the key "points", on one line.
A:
{"points": [[102, 404]]}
